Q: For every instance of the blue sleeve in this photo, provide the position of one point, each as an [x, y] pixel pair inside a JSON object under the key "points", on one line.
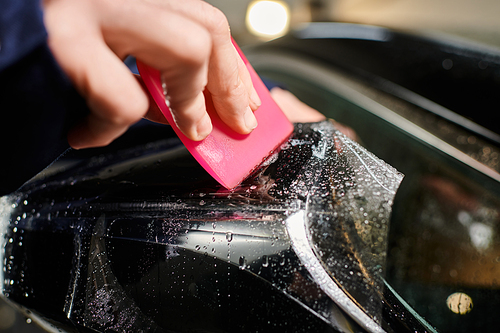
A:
{"points": [[38, 104], [21, 29]]}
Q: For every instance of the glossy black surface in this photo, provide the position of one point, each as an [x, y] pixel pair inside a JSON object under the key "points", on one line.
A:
{"points": [[145, 240], [456, 74], [443, 238]]}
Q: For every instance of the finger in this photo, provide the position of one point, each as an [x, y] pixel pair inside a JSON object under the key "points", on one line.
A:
{"points": [[255, 101], [230, 94], [295, 110], [154, 113], [347, 131], [229, 82], [182, 59], [115, 98]]}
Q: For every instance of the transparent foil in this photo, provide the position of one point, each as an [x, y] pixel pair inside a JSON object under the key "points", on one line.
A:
{"points": [[144, 240], [349, 194]]}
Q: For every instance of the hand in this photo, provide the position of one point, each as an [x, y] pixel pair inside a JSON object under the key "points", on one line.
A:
{"points": [[298, 112], [188, 41], [294, 109]]}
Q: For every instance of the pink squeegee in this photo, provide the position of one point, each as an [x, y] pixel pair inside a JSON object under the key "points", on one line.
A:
{"points": [[228, 156]]}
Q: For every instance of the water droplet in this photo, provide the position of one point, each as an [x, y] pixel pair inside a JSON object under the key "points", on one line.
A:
{"points": [[265, 261], [243, 262], [229, 236], [283, 261], [197, 247]]}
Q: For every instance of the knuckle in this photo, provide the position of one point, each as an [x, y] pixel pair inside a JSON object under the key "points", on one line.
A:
{"points": [[217, 21], [233, 91], [132, 111], [125, 111], [196, 50]]}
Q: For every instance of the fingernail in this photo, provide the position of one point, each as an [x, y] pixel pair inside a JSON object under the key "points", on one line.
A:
{"points": [[250, 120], [254, 97], [204, 127]]}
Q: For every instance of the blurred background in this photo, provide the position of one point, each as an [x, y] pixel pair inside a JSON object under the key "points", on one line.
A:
{"points": [[259, 21], [475, 19]]}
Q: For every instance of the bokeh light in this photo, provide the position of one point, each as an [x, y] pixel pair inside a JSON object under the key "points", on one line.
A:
{"points": [[268, 19], [459, 303]]}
